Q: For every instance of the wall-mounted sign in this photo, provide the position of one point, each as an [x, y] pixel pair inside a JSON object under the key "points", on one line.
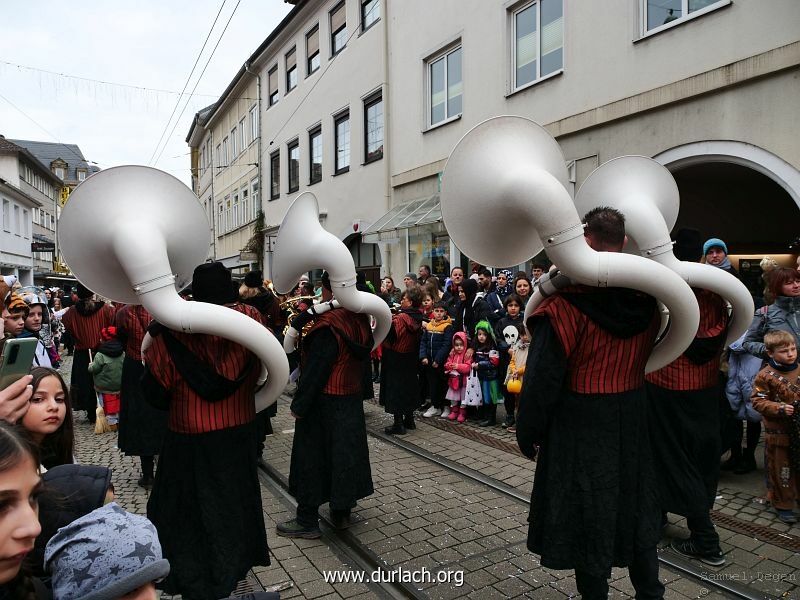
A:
{"points": [[43, 247]]}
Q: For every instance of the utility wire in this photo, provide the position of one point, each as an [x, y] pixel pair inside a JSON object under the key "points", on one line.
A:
{"points": [[188, 79], [81, 158], [185, 106]]}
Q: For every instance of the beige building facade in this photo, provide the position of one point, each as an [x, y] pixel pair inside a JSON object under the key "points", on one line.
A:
{"points": [[708, 88]]}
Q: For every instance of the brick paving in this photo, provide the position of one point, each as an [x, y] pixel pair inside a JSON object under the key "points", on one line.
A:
{"points": [[424, 516]]}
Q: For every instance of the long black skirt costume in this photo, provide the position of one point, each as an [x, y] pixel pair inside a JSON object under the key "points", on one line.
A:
{"points": [[330, 456], [81, 384], [141, 426], [595, 502]]}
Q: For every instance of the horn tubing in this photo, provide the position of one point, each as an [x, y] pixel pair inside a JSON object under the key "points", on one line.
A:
{"points": [[198, 317], [322, 248], [645, 224], [575, 258]]}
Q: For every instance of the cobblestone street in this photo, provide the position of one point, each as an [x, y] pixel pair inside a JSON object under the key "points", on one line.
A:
{"points": [[426, 516]]}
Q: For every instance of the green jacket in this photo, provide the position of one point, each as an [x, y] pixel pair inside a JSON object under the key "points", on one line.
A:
{"points": [[106, 368]]}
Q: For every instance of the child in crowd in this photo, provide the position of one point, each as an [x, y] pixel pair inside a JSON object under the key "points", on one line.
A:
{"points": [[434, 346], [457, 367], [514, 374], [512, 306], [116, 553], [20, 488], [49, 418], [776, 395], [106, 369], [427, 306], [485, 359]]}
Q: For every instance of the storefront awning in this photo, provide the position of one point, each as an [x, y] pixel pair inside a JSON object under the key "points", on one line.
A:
{"points": [[405, 216]]}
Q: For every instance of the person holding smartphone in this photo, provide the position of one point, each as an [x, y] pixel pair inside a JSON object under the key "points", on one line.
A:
{"points": [[13, 399]]}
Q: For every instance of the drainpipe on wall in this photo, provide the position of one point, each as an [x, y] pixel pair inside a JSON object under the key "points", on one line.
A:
{"points": [[213, 197], [386, 261], [258, 166]]}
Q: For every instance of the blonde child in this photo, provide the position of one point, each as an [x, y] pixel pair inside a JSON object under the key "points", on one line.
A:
{"points": [[776, 394], [457, 367]]}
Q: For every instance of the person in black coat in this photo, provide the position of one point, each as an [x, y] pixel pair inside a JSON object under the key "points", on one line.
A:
{"points": [[330, 457], [471, 309]]}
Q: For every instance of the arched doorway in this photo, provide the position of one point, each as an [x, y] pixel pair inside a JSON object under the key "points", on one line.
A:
{"points": [[742, 194]]}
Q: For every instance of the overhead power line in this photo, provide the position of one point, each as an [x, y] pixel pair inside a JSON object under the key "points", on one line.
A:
{"points": [[185, 106], [188, 79]]}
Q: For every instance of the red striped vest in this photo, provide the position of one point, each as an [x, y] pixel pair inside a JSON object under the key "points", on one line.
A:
{"points": [[347, 375]]}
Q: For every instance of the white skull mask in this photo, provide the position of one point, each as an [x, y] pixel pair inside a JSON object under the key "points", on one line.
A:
{"points": [[511, 335]]}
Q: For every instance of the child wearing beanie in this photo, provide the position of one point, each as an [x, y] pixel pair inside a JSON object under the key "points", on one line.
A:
{"points": [[105, 555]]}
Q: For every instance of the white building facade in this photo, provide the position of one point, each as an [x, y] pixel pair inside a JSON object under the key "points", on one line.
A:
{"points": [[708, 88]]}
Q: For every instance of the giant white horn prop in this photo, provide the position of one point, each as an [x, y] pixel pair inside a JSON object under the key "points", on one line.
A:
{"points": [[509, 173], [646, 193], [135, 234], [303, 244]]}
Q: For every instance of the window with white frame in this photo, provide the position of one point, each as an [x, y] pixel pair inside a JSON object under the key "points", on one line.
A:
{"points": [[656, 13], [245, 207], [60, 172], [341, 127], [255, 197], [26, 225], [228, 225], [236, 216], [242, 134], [338, 28], [370, 13], [445, 86], [272, 85], [202, 157], [538, 38], [234, 153], [291, 70], [315, 153], [254, 123], [17, 221], [275, 175], [7, 216], [373, 127], [294, 165], [81, 175], [224, 158], [312, 50], [220, 219], [219, 155]]}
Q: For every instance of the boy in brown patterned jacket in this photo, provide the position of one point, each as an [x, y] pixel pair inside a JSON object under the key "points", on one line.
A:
{"points": [[776, 394]]}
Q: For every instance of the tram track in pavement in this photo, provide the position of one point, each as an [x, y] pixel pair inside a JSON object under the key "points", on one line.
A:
{"points": [[684, 567], [343, 543]]}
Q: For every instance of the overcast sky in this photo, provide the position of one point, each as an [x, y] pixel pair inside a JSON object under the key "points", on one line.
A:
{"points": [[148, 44]]}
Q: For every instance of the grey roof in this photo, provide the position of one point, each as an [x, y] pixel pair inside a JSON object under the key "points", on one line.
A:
{"points": [[47, 152]]}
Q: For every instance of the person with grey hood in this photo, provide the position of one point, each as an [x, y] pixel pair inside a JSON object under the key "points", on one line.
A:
{"points": [[105, 555]]}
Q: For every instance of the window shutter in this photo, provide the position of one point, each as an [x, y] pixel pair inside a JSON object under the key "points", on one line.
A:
{"points": [[273, 81], [313, 42], [291, 59], [338, 18]]}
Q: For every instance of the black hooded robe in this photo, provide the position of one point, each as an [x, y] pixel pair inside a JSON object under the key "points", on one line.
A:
{"points": [[330, 456], [594, 503]]}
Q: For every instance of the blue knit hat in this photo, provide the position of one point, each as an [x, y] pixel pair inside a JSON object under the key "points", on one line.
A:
{"points": [[104, 555], [714, 243]]}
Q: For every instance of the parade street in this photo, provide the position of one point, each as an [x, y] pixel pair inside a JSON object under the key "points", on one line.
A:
{"points": [[425, 517]]}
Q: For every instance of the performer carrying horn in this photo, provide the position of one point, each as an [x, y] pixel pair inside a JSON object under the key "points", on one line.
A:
{"points": [[594, 503], [684, 420], [330, 457], [206, 500]]}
